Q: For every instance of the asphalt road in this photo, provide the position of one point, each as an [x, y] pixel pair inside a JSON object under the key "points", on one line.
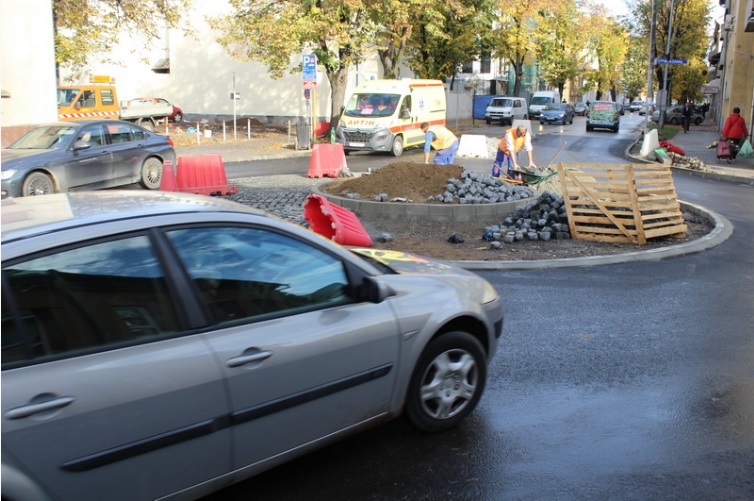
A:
{"points": [[627, 381]]}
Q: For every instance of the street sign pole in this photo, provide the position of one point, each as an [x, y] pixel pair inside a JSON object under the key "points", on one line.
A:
{"points": [[663, 104], [310, 82]]}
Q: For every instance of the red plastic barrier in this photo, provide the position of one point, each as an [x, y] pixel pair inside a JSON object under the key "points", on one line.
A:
{"points": [[335, 222], [328, 160], [167, 178], [203, 175], [671, 148]]}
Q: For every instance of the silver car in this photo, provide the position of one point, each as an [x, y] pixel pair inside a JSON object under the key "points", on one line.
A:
{"points": [[77, 155], [165, 345]]}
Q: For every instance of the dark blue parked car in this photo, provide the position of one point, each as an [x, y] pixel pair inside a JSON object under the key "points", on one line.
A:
{"points": [[557, 113], [77, 155]]}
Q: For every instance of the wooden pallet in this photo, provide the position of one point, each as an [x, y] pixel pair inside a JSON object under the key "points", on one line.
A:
{"points": [[620, 203]]}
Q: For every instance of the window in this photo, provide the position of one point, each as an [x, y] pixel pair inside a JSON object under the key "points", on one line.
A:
{"points": [[123, 133], [107, 97], [95, 296], [253, 273], [486, 62], [94, 135], [88, 99]]}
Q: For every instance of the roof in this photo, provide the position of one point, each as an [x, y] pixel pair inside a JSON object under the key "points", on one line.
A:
{"points": [[29, 216]]}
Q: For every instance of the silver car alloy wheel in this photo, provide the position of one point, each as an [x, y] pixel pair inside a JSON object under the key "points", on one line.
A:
{"points": [[449, 383]]}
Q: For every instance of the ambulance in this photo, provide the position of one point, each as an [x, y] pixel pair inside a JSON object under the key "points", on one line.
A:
{"points": [[386, 115]]}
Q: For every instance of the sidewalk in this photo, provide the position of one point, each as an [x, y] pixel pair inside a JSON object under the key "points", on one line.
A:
{"points": [[695, 144]]}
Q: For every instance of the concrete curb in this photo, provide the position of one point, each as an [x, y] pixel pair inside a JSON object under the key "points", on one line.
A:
{"points": [[720, 233]]}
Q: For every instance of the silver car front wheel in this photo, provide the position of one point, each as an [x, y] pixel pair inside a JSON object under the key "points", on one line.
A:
{"points": [[447, 382]]}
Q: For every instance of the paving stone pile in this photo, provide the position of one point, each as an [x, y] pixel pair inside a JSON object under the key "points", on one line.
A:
{"points": [[472, 188], [543, 219]]}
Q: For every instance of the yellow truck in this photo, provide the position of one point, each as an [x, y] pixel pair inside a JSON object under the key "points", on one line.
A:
{"points": [[386, 115], [99, 101]]}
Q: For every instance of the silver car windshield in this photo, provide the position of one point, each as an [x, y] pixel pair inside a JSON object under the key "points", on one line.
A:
{"points": [[45, 138]]}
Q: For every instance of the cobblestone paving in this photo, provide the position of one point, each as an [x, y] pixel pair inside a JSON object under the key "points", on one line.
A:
{"points": [[282, 196]]}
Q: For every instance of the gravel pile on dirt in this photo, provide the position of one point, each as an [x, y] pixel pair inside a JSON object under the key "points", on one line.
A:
{"points": [[422, 183]]}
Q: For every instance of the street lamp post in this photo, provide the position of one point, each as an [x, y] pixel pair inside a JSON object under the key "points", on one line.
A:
{"points": [[663, 103]]}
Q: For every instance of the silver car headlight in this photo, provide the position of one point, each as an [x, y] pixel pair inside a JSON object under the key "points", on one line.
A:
{"points": [[489, 293], [7, 174]]}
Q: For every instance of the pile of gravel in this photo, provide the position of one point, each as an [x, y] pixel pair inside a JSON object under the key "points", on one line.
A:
{"points": [[543, 219]]}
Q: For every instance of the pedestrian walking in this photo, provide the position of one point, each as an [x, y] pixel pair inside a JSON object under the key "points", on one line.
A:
{"points": [[441, 139], [688, 113], [735, 130]]}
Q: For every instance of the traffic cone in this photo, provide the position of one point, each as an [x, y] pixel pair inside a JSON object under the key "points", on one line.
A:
{"points": [[167, 180]]}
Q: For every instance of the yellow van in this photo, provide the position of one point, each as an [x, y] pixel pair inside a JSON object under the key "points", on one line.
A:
{"points": [[386, 115]]}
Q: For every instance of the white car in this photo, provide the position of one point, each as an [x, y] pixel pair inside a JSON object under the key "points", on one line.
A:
{"points": [[162, 345]]}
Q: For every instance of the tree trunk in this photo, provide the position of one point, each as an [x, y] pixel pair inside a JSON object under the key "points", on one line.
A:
{"points": [[338, 80]]}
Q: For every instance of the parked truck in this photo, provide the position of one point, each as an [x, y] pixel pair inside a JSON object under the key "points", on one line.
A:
{"points": [[99, 100]]}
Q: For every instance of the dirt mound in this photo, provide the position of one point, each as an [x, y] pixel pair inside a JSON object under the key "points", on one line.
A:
{"points": [[412, 181]]}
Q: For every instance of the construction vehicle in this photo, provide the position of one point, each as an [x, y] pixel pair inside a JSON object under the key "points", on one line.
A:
{"points": [[98, 100]]}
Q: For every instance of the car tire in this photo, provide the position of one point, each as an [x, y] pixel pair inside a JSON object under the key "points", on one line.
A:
{"points": [[447, 382], [151, 173], [397, 148], [178, 117], [37, 183], [674, 121], [146, 123], [615, 129], [589, 128], [698, 121]]}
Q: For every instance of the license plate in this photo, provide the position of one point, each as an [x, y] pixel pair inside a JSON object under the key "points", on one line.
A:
{"points": [[357, 145]]}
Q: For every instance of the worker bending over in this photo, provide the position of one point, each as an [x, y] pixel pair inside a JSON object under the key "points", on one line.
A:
{"points": [[441, 139]]}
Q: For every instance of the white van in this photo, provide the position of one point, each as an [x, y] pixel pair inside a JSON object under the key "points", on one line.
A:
{"points": [[386, 115], [540, 99], [506, 109]]}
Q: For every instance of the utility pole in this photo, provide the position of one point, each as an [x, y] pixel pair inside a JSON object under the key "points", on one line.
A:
{"points": [[663, 103], [650, 71]]}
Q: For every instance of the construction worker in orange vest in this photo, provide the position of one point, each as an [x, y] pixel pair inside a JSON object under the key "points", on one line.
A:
{"points": [[441, 139], [513, 140]]}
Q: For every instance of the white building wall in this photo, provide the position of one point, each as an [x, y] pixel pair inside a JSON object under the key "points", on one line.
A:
{"points": [[27, 63]]}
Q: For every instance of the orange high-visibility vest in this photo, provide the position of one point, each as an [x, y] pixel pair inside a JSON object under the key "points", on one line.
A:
{"points": [[518, 142], [443, 137]]}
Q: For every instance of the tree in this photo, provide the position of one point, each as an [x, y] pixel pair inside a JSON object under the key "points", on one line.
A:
{"points": [[608, 42], [512, 35], [84, 29], [634, 78], [560, 43], [688, 39], [273, 32], [446, 35]]}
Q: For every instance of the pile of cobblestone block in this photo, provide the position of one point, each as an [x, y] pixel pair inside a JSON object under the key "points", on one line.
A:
{"points": [[543, 219], [476, 188], [472, 188]]}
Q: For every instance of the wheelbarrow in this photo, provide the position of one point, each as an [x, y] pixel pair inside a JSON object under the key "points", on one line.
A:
{"points": [[532, 178]]}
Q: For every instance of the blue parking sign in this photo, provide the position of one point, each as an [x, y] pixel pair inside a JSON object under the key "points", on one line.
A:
{"points": [[310, 68]]}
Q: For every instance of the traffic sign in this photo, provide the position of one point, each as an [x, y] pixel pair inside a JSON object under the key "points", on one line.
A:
{"points": [[310, 71], [662, 60]]}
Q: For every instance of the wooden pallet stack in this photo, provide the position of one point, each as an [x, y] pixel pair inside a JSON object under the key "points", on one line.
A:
{"points": [[620, 203]]}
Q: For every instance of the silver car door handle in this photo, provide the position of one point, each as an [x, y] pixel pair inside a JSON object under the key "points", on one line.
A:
{"points": [[247, 359], [31, 409]]}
